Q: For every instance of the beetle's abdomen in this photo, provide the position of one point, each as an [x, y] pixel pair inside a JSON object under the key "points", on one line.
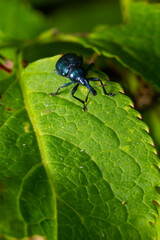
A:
{"points": [[72, 59], [67, 62]]}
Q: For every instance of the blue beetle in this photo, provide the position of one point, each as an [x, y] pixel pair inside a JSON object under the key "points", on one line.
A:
{"points": [[71, 66]]}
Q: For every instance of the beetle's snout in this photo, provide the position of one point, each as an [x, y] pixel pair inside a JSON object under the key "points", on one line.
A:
{"points": [[81, 81]]}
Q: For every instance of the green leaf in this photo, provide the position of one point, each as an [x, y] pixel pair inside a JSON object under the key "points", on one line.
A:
{"points": [[92, 174], [19, 21], [135, 43]]}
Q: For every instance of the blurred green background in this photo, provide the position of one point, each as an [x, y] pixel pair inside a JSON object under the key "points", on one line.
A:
{"points": [[22, 21]]}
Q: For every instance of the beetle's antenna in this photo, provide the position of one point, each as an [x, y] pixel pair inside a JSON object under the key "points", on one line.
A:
{"points": [[104, 85]]}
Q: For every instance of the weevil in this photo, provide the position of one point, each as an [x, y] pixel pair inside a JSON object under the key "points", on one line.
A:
{"points": [[71, 66]]}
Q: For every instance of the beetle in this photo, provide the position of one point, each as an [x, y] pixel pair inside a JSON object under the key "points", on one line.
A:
{"points": [[71, 66]]}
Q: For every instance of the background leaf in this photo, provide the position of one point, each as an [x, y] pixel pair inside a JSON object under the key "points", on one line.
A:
{"points": [[135, 43], [68, 15], [19, 21]]}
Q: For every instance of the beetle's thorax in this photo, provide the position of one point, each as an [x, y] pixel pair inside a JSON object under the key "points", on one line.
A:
{"points": [[76, 73]]}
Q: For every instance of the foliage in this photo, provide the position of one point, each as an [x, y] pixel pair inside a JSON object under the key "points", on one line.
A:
{"points": [[65, 173]]}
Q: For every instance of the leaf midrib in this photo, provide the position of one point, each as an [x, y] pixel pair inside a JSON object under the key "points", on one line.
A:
{"points": [[41, 149]]}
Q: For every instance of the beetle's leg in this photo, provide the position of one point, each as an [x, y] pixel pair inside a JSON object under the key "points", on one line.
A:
{"points": [[73, 92], [64, 85], [84, 106], [57, 73], [97, 79]]}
